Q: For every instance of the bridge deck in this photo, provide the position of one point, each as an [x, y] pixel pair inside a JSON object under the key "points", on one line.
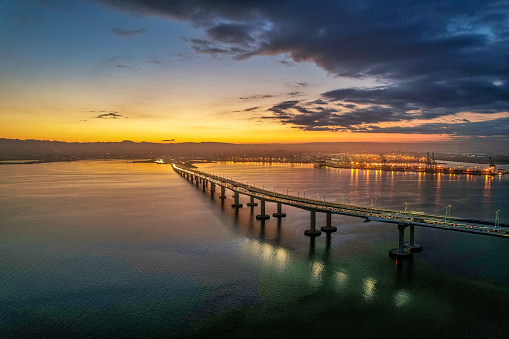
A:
{"points": [[370, 214]]}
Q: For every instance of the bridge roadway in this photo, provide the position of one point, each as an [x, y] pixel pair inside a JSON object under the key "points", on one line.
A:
{"points": [[402, 219]]}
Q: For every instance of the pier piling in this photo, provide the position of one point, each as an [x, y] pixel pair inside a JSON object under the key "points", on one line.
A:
{"points": [[279, 213], [312, 231], [262, 215], [328, 228]]}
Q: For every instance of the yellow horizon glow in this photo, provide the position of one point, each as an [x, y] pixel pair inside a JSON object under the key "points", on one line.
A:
{"points": [[109, 131]]}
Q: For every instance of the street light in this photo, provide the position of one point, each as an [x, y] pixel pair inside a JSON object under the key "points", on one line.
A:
{"points": [[447, 212]]}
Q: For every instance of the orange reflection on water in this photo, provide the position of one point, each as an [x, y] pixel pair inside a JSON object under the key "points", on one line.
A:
{"points": [[487, 182]]}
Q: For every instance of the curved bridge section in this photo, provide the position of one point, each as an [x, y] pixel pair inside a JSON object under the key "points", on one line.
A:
{"points": [[402, 219]]}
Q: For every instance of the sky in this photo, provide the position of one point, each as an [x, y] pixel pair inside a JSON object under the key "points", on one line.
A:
{"points": [[264, 71]]}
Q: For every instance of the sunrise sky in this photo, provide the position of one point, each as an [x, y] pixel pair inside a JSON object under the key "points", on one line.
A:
{"points": [[254, 71]]}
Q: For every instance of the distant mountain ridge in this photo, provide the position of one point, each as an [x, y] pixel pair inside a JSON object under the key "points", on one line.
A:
{"points": [[37, 149]]}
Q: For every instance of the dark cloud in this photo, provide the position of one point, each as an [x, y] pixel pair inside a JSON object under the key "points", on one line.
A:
{"points": [[257, 97], [281, 108], [168, 140], [154, 60], [295, 94], [293, 113], [367, 120], [112, 115], [129, 33], [251, 109], [303, 84], [436, 58], [287, 63], [489, 128], [231, 34]]}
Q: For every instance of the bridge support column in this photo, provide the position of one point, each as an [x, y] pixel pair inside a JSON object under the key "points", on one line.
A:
{"points": [[279, 214], [312, 231], [412, 246], [223, 193], [251, 202], [262, 215], [203, 184], [212, 187], [401, 251], [192, 178], [237, 203], [328, 228]]}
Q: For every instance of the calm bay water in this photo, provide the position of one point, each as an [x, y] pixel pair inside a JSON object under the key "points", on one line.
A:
{"points": [[110, 249]]}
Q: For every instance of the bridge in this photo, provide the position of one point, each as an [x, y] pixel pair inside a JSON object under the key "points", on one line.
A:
{"points": [[402, 219]]}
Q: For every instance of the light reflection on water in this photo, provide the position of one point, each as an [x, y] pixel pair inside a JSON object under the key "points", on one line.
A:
{"points": [[369, 288], [401, 298], [114, 249], [390, 189]]}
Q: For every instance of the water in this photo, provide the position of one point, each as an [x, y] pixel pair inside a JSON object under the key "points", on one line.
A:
{"points": [[110, 249]]}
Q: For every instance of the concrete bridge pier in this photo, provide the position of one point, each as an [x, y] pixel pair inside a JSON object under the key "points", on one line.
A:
{"points": [[237, 203], [262, 215], [401, 251], [328, 228], [279, 214], [212, 187], [203, 184], [312, 231], [412, 246], [251, 202], [223, 193], [192, 178]]}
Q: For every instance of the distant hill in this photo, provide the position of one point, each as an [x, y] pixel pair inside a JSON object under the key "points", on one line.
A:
{"points": [[44, 149]]}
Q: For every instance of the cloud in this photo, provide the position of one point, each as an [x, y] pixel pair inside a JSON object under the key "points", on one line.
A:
{"points": [[491, 128], [434, 59], [311, 116], [168, 140], [112, 115], [129, 33], [280, 109], [154, 60], [231, 33], [296, 94], [257, 97], [287, 63]]}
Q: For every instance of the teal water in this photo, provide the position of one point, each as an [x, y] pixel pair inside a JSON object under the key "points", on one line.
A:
{"points": [[110, 249]]}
